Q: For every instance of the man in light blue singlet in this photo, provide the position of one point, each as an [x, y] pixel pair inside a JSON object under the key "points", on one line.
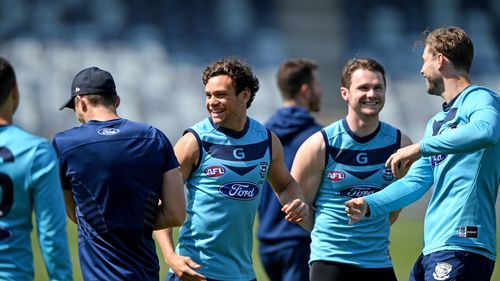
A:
{"points": [[346, 160], [459, 155], [121, 181], [29, 181], [225, 160]]}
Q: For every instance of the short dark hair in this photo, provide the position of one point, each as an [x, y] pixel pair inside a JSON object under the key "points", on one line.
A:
{"points": [[453, 43], [105, 100], [7, 79], [239, 72], [293, 73], [360, 63]]}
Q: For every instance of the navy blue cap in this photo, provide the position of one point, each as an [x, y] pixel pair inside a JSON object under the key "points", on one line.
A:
{"points": [[90, 81]]}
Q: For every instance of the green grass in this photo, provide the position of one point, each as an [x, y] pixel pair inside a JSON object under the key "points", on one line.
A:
{"points": [[406, 243]]}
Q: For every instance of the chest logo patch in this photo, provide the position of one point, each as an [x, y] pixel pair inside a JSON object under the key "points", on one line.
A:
{"points": [[359, 191], [108, 131], [335, 175], [239, 190], [388, 176], [215, 171], [437, 159]]}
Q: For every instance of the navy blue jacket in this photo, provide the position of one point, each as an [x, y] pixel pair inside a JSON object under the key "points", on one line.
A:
{"points": [[293, 125]]}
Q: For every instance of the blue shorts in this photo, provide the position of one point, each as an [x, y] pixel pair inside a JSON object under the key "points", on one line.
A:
{"points": [[452, 266], [173, 277], [287, 264]]}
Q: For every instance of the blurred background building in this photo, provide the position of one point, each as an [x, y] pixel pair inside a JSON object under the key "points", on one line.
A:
{"points": [[157, 50]]}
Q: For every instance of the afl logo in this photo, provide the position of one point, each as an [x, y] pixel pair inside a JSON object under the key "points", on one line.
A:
{"points": [[108, 131], [239, 190], [215, 171], [359, 191], [335, 175]]}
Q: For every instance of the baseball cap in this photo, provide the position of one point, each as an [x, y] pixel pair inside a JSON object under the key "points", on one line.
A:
{"points": [[90, 81]]}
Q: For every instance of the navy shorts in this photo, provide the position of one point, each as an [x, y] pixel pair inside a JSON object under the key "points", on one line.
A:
{"points": [[452, 266], [287, 264], [173, 277]]}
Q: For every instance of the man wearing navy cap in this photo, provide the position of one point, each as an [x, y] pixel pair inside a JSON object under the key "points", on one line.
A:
{"points": [[121, 181]]}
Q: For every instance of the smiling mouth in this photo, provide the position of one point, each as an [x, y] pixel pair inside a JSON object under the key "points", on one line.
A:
{"points": [[370, 103]]}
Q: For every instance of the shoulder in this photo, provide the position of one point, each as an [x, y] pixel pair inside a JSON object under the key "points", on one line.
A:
{"points": [[388, 129], [27, 137], [316, 142], [477, 96], [254, 124], [24, 141], [203, 125], [333, 130], [188, 142]]}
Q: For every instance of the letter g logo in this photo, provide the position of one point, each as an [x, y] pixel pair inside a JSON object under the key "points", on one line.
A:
{"points": [[362, 158], [238, 153]]}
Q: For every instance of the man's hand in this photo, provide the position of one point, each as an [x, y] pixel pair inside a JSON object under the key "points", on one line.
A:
{"points": [[296, 210], [183, 268], [400, 161], [356, 209]]}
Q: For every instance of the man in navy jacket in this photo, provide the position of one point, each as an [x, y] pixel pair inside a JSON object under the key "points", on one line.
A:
{"points": [[284, 246]]}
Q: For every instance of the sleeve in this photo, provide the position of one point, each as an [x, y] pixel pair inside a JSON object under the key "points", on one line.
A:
{"points": [[50, 215], [482, 130], [66, 184], [170, 159], [404, 191]]}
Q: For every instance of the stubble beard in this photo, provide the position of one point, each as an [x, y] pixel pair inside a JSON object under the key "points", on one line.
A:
{"points": [[435, 87]]}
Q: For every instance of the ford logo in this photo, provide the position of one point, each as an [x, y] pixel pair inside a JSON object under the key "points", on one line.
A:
{"points": [[359, 191], [215, 171], [108, 131], [239, 190]]}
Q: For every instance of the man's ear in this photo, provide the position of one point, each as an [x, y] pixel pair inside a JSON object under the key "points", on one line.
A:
{"points": [[79, 100], [305, 91], [15, 97], [441, 60], [117, 101], [246, 95], [344, 93]]}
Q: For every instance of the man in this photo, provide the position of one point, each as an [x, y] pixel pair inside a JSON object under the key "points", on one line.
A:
{"points": [[459, 156], [346, 160], [225, 160], [29, 181], [284, 246], [114, 173]]}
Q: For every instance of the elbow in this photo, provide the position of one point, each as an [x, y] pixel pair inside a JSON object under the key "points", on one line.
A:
{"points": [[178, 219], [71, 213], [169, 219], [489, 136], [491, 139]]}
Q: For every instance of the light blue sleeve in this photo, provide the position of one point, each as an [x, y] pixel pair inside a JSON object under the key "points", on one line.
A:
{"points": [[404, 191], [50, 213], [481, 108]]}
